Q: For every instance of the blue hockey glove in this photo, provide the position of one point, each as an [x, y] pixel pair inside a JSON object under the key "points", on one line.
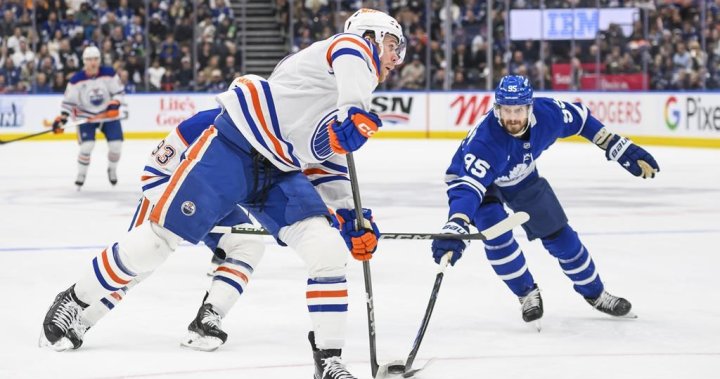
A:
{"points": [[354, 130], [442, 247], [631, 157], [362, 243]]}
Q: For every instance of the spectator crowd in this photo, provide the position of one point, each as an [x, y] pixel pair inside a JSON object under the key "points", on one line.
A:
{"points": [[148, 43], [161, 45]]}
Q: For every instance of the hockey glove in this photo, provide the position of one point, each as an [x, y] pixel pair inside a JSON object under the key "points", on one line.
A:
{"points": [[354, 131], [113, 109], [631, 157], [59, 122], [362, 243], [442, 247]]}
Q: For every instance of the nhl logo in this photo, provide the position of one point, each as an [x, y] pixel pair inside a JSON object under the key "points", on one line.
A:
{"points": [[188, 208], [526, 145]]}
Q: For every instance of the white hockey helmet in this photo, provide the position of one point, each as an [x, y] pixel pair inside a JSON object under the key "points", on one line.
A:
{"points": [[380, 23], [91, 52]]}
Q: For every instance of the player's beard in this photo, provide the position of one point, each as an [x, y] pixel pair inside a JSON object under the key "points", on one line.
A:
{"points": [[516, 127]]}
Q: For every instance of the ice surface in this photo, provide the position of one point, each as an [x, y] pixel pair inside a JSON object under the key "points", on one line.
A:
{"points": [[654, 242]]}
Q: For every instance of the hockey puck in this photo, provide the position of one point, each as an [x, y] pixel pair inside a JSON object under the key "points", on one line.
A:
{"points": [[396, 369]]}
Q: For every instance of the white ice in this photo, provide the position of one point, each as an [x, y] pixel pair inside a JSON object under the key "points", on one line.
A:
{"points": [[655, 242]]}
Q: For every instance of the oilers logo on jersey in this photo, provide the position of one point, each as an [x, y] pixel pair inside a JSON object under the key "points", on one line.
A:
{"points": [[96, 97], [319, 143]]}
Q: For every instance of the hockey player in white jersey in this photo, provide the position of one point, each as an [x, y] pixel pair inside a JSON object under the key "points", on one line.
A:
{"points": [[95, 94], [312, 111], [239, 254]]}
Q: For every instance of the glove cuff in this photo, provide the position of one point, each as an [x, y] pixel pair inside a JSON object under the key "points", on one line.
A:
{"points": [[617, 148]]}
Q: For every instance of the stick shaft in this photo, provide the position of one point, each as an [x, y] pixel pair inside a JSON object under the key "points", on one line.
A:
{"points": [[366, 267]]}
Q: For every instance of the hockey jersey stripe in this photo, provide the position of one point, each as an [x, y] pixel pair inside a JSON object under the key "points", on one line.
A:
{"points": [[234, 272], [155, 171], [256, 131], [319, 181], [142, 212], [316, 171], [182, 137], [230, 282], [353, 42], [274, 119], [156, 183], [261, 117], [328, 308], [335, 167], [239, 263], [198, 149], [316, 294]]}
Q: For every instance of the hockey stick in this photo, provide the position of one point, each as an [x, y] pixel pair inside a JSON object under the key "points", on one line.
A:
{"points": [[366, 266], [487, 234], [496, 230], [25, 137], [48, 124], [406, 369]]}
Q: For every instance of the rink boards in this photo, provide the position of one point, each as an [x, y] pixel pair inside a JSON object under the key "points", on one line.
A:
{"points": [[661, 118]]}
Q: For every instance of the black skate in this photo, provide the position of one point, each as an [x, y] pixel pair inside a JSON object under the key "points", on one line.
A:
{"points": [[204, 331], [532, 307], [79, 181], [612, 305], [328, 364], [63, 328], [112, 176]]}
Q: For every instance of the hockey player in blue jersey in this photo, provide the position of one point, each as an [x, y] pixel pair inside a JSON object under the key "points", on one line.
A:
{"points": [[278, 149], [95, 93], [495, 165]]}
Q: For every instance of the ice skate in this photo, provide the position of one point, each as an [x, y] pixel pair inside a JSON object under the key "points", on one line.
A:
{"points": [[63, 328], [204, 332], [80, 181], [612, 305], [532, 307], [328, 364], [112, 175]]}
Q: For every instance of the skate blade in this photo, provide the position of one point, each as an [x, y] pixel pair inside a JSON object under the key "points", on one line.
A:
{"points": [[538, 325], [62, 345], [198, 342]]}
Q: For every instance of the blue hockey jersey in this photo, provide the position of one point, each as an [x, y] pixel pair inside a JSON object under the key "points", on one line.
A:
{"points": [[489, 155]]}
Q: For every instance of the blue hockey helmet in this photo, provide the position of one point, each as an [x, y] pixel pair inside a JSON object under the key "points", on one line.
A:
{"points": [[514, 90]]}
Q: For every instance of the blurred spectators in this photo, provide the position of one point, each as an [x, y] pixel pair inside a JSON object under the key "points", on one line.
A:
{"points": [[149, 43], [152, 43]]}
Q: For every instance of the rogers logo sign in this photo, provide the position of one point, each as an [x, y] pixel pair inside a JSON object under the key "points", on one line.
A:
{"points": [[615, 112], [174, 110]]}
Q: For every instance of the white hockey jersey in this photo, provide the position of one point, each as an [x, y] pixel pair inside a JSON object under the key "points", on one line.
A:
{"points": [[87, 97], [286, 117]]}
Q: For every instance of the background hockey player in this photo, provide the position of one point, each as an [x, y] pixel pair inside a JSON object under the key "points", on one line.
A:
{"points": [[240, 253], [312, 111], [495, 165], [94, 93]]}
